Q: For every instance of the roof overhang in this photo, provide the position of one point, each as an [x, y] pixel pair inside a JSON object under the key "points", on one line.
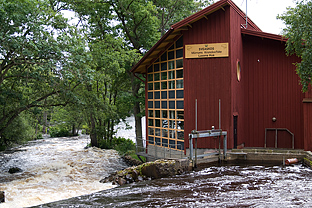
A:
{"points": [[176, 31], [263, 35]]}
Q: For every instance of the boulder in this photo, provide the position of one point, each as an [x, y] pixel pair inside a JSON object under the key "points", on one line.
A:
{"points": [[15, 170], [2, 199], [131, 161], [147, 171]]}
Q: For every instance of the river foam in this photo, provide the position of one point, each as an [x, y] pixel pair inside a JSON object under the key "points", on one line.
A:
{"points": [[55, 169]]}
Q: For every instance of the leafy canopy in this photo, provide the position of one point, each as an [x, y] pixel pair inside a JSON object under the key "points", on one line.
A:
{"points": [[298, 29]]}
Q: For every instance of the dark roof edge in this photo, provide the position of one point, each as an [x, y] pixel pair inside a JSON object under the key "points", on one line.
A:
{"points": [[263, 35], [211, 8], [152, 49]]}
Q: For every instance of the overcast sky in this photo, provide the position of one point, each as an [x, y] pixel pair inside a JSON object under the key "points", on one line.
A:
{"points": [[263, 13]]}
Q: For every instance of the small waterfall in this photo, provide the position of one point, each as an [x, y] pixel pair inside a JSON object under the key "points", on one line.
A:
{"points": [[55, 169]]}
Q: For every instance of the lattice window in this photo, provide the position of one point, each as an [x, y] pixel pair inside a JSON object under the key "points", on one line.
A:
{"points": [[166, 99]]}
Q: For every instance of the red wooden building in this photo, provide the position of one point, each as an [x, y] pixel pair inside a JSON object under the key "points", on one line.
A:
{"points": [[214, 55]]}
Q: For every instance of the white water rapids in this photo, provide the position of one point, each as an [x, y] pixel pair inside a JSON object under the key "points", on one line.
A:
{"points": [[55, 169]]}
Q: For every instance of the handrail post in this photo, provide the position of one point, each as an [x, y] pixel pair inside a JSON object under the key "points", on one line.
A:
{"points": [[275, 138]]}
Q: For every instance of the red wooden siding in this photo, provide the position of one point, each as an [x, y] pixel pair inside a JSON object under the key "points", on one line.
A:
{"points": [[207, 80], [271, 89], [237, 95]]}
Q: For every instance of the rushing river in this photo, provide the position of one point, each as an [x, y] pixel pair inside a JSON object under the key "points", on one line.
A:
{"points": [[55, 169], [223, 186]]}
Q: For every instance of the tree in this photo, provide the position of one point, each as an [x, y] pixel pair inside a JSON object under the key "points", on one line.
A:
{"points": [[170, 12], [137, 25], [42, 58], [298, 30]]}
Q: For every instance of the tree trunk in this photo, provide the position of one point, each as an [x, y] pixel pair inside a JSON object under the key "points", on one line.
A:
{"points": [[44, 121], [93, 136], [73, 130], [136, 111]]}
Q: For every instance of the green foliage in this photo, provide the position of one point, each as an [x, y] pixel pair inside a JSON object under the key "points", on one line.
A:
{"points": [[20, 131], [298, 30], [122, 145], [42, 58], [58, 132]]}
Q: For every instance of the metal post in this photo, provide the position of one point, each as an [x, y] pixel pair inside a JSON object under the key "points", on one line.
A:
{"points": [[224, 146], [196, 114], [219, 113], [275, 138], [265, 138], [195, 166], [191, 146], [155, 150]]}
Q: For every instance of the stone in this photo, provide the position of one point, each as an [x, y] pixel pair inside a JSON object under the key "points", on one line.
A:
{"points": [[2, 198], [15, 170], [131, 161], [121, 181], [148, 171]]}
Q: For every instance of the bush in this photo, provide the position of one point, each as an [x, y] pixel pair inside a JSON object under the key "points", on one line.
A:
{"points": [[58, 132], [19, 131], [122, 145]]}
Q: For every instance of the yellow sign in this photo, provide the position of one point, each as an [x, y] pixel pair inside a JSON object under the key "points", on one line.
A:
{"points": [[207, 50]]}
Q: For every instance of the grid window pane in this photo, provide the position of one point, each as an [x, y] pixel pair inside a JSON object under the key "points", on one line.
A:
{"points": [[164, 104], [164, 57], [157, 104], [156, 77], [157, 132], [150, 95], [163, 66], [150, 69], [156, 86], [180, 104], [163, 75], [171, 104], [172, 124], [151, 140], [165, 133], [170, 55], [180, 115], [164, 95], [150, 104], [165, 99], [157, 95], [180, 125], [150, 122], [180, 73], [179, 93], [164, 114], [172, 114], [150, 86], [180, 135], [156, 67], [164, 85], [171, 74], [171, 84], [150, 77], [179, 53], [150, 113], [179, 63], [165, 123], [171, 94], [157, 122], [150, 131], [171, 65], [172, 134]]}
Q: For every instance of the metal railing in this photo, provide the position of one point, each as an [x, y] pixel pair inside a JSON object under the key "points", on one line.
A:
{"points": [[276, 134], [156, 151]]}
